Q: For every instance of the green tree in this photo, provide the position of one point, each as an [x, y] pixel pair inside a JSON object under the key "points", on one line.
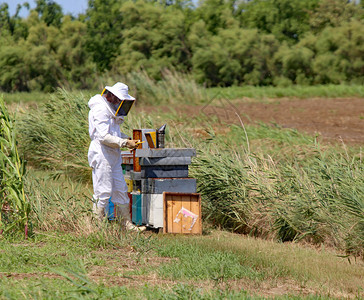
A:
{"points": [[5, 24], [340, 54], [13, 25], [293, 65], [217, 14], [334, 13], [154, 39], [50, 12], [334, 56], [13, 75], [77, 65], [233, 56], [286, 19], [40, 56], [104, 22]]}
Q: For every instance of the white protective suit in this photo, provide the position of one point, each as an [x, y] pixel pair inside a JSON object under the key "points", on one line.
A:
{"points": [[104, 154]]}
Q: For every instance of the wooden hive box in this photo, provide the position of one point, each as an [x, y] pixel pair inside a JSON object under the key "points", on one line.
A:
{"points": [[182, 213]]}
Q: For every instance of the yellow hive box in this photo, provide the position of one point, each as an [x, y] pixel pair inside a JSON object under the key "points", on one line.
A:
{"points": [[129, 183]]}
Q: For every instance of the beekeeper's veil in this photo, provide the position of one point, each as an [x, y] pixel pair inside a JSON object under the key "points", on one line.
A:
{"points": [[121, 91]]}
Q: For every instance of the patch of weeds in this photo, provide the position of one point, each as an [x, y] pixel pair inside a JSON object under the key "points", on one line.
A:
{"points": [[92, 259], [142, 244], [30, 258], [186, 292], [197, 262], [59, 288]]}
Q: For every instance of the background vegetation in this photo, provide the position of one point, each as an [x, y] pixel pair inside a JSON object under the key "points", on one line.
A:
{"points": [[217, 42]]}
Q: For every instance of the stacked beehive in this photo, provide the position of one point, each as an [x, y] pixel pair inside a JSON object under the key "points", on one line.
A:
{"points": [[159, 176], [163, 170], [138, 203]]}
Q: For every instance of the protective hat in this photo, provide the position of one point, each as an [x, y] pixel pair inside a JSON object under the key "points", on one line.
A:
{"points": [[120, 90]]}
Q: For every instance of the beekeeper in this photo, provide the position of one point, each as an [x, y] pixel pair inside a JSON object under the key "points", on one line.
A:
{"points": [[107, 112]]}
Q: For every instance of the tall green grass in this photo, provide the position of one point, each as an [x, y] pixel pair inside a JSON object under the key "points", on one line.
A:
{"points": [[273, 182], [55, 136], [14, 205], [59, 205], [25, 97], [174, 88], [317, 198]]}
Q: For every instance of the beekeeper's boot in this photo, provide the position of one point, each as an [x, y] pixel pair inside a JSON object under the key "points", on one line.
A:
{"points": [[99, 212], [123, 215]]}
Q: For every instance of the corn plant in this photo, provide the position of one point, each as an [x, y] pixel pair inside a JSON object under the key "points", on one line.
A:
{"points": [[14, 205]]}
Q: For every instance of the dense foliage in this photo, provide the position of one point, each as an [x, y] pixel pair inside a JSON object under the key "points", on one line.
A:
{"points": [[258, 42]]}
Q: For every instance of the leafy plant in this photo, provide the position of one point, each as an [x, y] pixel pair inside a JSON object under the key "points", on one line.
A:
{"points": [[14, 205]]}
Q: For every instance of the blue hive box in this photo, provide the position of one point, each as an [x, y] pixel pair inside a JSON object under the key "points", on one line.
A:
{"points": [[137, 209]]}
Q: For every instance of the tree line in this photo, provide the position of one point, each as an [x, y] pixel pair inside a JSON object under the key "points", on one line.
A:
{"points": [[218, 42]]}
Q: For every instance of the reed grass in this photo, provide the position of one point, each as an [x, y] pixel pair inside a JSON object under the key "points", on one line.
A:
{"points": [[55, 136], [174, 88], [319, 200], [25, 97], [59, 205], [14, 204]]}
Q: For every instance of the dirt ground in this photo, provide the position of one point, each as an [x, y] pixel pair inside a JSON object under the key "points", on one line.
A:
{"points": [[332, 119], [340, 119]]}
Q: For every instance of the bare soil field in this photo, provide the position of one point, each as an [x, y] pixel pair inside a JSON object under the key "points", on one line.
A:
{"points": [[332, 119], [338, 119]]}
